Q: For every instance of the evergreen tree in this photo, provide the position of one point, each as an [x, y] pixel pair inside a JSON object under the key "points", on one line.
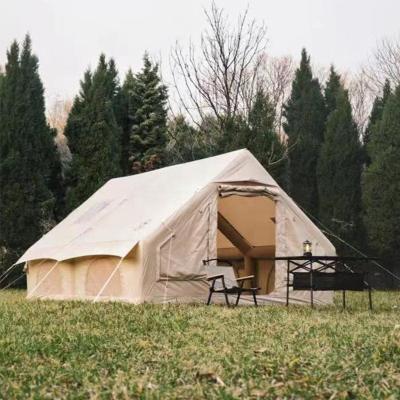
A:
{"points": [[215, 141], [381, 184], [93, 134], [1, 78], [127, 103], [262, 139], [305, 121], [375, 117], [111, 80], [332, 88], [28, 157], [76, 119], [256, 133], [148, 136], [339, 174], [186, 143]]}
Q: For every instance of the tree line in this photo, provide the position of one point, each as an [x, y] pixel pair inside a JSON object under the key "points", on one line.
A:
{"points": [[345, 177]]}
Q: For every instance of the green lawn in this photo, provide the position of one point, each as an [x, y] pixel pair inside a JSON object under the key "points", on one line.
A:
{"points": [[82, 350]]}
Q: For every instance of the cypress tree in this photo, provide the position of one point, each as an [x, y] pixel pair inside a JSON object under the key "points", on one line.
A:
{"points": [[332, 88], [127, 103], [28, 156], [339, 174], [375, 117], [262, 139], [93, 134], [381, 184], [148, 136], [305, 121], [1, 78], [75, 124]]}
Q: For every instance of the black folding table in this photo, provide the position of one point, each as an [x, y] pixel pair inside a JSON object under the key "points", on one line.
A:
{"points": [[315, 273]]}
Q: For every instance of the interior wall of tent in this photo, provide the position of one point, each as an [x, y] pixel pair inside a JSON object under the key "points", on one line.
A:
{"points": [[252, 230], [86, 278], [246, 237]]}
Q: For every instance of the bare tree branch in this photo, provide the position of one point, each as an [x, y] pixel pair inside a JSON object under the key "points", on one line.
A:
{"points": [[361, 99], [217, 78], [276, 76], [384, 64], [57, 118]]}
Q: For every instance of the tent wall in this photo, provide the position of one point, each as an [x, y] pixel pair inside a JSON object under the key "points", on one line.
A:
{"points": [[253, 218], [265, 275], [292, 229], [172, 256], [84, 277], [48, 280]]}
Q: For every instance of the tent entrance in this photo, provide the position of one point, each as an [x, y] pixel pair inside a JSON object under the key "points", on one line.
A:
{"points": [[246, 236]]}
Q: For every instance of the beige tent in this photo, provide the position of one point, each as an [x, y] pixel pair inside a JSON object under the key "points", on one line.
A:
{"points": [[142, 238]]}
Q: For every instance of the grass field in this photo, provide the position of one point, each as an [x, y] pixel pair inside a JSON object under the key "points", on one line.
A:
{"points": [[81, 350]]}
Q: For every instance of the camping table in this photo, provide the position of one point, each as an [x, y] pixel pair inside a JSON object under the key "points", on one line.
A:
{"points": [[325, 273]]}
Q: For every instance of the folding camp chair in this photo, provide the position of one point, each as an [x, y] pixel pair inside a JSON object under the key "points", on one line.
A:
{"points": [[223, 280]]}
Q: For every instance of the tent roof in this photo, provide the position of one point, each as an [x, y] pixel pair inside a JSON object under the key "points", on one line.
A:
{"points": [[126, 210]]}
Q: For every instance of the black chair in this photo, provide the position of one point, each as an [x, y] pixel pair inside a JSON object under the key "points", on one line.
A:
{"points": [[223, 280]]}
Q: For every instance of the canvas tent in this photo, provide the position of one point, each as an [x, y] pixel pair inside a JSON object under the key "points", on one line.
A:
{"points": [[142, 238]]}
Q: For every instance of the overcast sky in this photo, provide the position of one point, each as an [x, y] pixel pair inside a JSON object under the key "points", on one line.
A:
{"points": [[69, 35]]}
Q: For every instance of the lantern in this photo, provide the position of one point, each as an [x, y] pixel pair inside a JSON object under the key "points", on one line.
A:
{"points": [[307, 248]]}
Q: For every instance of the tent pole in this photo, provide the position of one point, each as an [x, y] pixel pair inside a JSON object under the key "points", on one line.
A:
{"points": [[248, 268]]}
